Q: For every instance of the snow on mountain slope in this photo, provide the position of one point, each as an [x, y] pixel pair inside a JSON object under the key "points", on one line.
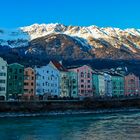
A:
{"points": [[115, 36], [13, 38], [91, 36]]}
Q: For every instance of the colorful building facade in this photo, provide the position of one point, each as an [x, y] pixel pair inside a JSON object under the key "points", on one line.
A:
{"points": [[85, 84], [3, 79], [64, 79], [15, 81], [108, 85], [73, 84], [47, 80], [99, 84], [117, 84], [64, 84], [131, 85], [29, 82]]}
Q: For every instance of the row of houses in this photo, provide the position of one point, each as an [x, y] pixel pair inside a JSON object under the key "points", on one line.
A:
{"points": [[54, 80]]}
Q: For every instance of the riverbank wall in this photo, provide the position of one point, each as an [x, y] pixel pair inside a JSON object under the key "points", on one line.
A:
{"points": [[63, 105]]}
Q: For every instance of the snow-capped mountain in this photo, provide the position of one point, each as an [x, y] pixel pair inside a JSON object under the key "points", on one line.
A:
{"points": [[96, 41], [13, 38], [129, 38]]}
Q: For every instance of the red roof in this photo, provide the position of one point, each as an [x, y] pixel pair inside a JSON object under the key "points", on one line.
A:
{"points": [[59, 66]]}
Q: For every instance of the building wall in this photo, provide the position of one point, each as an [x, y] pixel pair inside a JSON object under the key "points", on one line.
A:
{"points": [[117, 86], [96, 84], [99, 84], [73, 84], [85, 85], [29, 82], [15, 79], [64, 84], [131, 85], [108, 85], [3, 79], [47, 80]]}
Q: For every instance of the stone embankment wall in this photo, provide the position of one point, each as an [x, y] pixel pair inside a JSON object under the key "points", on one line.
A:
{"points": [[39, 106]]}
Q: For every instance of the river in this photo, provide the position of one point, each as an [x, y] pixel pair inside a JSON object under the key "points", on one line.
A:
{"points": [[110, 126]]}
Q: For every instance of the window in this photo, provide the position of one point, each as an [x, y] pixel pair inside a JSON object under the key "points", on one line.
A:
{"points": [[88, 86], [2, 81], [3, 67], [32, 78], [74, 81], [88, 81], [2, 74], [2, 88], [82, 74], [82, 80], [88, 75], [38, 84], [82, 86], [10, 84], [74, 92], [32, 84], [10, 70], [26, 84], [15, 71], [82, 91], [25, 77], [16, 77], [26, 73], [25, 90], [74, 87]]}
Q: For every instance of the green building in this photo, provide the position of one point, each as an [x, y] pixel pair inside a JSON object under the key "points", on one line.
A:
{"points": [[15, 81], [73, 84], [117, 84], [98, 84], [68, 84], [64, 84]]}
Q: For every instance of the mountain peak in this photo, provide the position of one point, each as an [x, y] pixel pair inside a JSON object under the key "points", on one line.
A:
{"points": [[93, 37]]}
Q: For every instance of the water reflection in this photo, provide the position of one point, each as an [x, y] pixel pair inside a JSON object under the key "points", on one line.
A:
{"points": [[88, 127]]}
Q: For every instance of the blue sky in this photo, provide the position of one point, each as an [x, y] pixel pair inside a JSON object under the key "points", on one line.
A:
{"points": [[103, 13]]}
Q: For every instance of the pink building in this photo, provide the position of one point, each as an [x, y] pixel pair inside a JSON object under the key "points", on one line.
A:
{"points": [[85, 84], [131, 85]]}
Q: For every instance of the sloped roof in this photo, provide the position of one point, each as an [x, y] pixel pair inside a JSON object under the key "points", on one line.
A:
{"points": [[59, 66], [115, 74], [16, 64]]}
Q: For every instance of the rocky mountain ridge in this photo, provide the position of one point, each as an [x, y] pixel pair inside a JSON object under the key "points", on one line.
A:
{"points": [[72, 42]]}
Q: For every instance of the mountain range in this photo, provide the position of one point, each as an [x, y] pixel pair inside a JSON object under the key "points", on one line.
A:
{"points": [[40, 42]]}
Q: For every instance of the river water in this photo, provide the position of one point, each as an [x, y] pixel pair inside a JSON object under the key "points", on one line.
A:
{"points": [[111, 126]]}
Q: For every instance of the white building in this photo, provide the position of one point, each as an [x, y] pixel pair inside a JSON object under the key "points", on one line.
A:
{"points": [[47, 80], [3, 79]]}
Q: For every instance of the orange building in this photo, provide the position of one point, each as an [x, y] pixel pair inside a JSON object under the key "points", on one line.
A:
{"points": [[29, 82]]}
